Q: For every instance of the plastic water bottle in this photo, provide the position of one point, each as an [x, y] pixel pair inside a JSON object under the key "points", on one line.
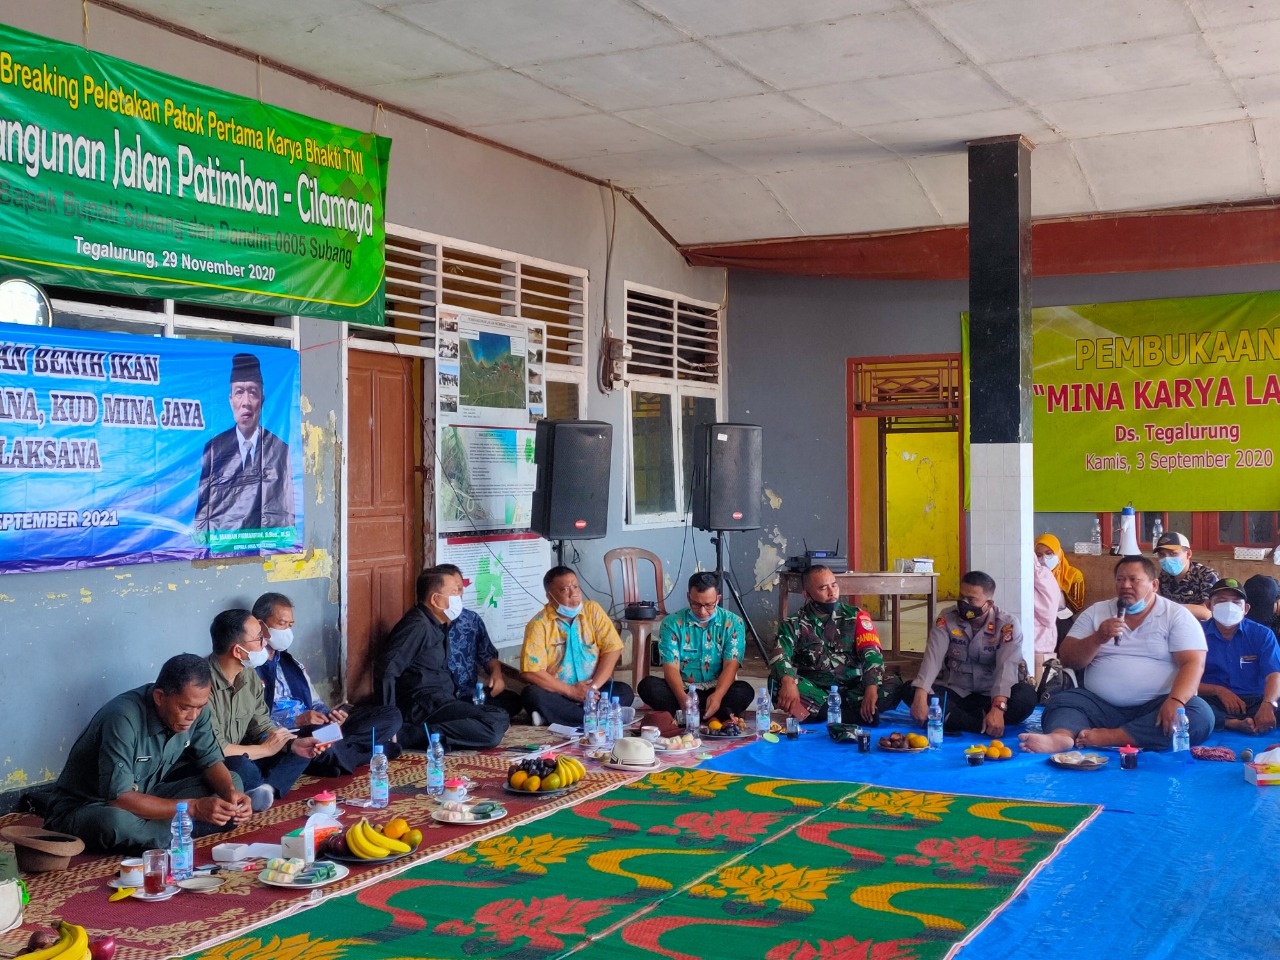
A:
{"points": [[479, 701], [935, 724], [692, 720], [1182, 735], [835, 713], [379, 781], [602, 718], [589, 709], [615, 720], [1157, 531], [435, 766], [1095, 536], [764, 707], [182, 844]]}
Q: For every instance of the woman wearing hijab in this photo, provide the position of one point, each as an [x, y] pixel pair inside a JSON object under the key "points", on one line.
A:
{"points": [[1049, 552], [1261, 593]]}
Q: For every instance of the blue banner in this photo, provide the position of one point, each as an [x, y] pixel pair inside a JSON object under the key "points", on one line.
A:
{"points": [[119, 449]]}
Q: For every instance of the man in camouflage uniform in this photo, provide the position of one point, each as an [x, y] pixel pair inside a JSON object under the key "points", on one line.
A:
{"points": [[828, 642]]}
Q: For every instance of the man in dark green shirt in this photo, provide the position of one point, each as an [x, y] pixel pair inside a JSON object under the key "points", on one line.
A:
{"points": [[118, 791]]}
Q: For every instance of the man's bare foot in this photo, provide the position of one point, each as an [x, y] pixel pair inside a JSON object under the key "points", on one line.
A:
{"points": [[1241, 726], [1103, 737], [1054, 742]]}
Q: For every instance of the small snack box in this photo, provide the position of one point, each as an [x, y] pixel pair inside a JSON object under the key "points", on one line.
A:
{"points": [[299, 845], [1262, 774]]}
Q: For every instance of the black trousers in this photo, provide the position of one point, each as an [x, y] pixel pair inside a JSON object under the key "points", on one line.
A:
{"points": [[363, 727], [657, 694], [556, 708], [965, 714], [461, 725]]}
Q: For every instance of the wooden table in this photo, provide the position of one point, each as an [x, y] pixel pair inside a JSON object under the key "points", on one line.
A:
{"points": [[886, 584]]}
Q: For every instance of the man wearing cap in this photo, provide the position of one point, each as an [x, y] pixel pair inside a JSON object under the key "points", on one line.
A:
{"points": [[1241, 681], [1182, 579], [140, 755], [246, 482]]}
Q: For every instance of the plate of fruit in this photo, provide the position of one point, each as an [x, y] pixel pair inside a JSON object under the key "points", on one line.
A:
{"points": [[996, 750], [544, 775], [903, 742], [673, 746], [364, 843], [735, 728]]}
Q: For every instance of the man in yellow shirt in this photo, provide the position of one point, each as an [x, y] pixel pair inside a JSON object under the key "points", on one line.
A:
{"points": [[570, 648]]}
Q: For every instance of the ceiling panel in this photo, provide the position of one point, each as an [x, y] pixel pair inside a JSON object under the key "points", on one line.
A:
{"points": [[949, 134], [799, 152], [704, 211], [581, 136], [1159, 109], [1248, 50], [478, 99], [671, 164], [941, 93], [757, 117], [865, 198], [716, 18]]}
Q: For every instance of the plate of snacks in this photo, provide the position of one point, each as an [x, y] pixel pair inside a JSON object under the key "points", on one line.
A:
{"points": [[903, 742]]}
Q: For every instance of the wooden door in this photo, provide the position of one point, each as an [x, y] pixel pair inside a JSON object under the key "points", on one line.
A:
{"points": [[384, 514]]}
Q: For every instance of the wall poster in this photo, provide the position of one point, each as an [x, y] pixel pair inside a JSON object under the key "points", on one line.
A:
{"points": [[490, 386]]}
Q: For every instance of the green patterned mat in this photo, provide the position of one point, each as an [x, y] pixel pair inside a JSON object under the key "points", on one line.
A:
{"points": [[693, 864]]}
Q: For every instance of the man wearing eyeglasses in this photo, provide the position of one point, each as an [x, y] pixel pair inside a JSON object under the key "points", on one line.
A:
{"points": [[267, 758], [701, 645]]}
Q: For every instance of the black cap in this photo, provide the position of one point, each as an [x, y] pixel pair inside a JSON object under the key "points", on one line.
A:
{"points": [[1228, 585], [246, 369], [1172, 539], [1261, 591]]}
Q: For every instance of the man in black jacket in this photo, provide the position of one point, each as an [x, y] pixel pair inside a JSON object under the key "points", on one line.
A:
{"points": [[412, 672], [285, 678]]}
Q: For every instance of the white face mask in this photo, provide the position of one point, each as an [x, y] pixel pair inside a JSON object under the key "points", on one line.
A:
{"points": [[281, 638], [1050, 560], [454, 610], [1228, 613], [256, 657]]}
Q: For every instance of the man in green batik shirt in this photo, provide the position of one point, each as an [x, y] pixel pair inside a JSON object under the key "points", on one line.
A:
{"points": [[828, 642]]}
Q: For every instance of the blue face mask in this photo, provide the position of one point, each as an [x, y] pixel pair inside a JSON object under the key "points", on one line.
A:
{"points": [[569, 612], [1172, 565], [1137, 607]]}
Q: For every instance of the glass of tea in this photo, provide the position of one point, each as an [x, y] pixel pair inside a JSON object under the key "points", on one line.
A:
{"points": [[155, 871]]}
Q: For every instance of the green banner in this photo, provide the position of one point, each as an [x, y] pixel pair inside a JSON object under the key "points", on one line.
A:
{"points": [[1168, 404], [118, 178]]}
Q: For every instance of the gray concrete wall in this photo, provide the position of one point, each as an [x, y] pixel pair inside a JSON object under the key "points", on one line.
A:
{"points": [[68, 642], [788, 342]]}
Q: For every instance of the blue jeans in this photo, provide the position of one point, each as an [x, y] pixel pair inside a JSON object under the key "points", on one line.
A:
{"points": [[1076, 710], [281, 771]]}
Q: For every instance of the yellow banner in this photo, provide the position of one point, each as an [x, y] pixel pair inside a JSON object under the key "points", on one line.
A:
{"points": [[1168, 404]]}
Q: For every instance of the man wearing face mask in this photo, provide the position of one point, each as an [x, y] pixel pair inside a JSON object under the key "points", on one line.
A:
{"points": [[1182, 579], [701, 645], [973, 663], [1145, 656], [828, 642], [268, 758], [570, 647], [412, 673], [1241, 680], [474, 659], [284, 678]]}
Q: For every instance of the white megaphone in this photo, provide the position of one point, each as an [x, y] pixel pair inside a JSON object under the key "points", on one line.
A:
{"points": [[1129, 533]]}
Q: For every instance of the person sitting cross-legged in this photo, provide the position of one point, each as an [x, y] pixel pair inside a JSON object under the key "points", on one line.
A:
{"points": [[702, 645], [1145, 655], [1241, 681], [972, 658]]}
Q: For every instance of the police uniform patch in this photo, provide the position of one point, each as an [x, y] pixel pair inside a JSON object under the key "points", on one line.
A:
{"points": [[991, 627], [1006, 633], [941, 622]]}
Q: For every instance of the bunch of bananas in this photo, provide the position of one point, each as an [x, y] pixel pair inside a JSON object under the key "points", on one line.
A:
{"points": [[368, 843], [570, 769], [72, 944]]}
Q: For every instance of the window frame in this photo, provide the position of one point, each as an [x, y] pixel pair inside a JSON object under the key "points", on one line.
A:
{"points": [[677, 389]]}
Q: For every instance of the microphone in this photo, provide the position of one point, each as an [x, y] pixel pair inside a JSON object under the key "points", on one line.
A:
{"points": [[1120, 614]]}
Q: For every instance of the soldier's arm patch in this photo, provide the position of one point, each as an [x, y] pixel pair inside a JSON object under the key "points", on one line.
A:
{"points": [[1006, 633]]}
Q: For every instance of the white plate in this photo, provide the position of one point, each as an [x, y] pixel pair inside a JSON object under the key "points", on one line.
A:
{"points": [[201, 884], [342, 873], [169, 891], [632, 767], [438, 815], [676, 751], [115, 883]]}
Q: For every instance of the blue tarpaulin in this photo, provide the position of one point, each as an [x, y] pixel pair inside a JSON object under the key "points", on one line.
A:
{"points": [[1180, 862]]}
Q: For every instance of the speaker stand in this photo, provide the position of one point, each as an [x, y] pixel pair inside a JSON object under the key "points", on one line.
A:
{"points": [[559, 553], [721, 540]]}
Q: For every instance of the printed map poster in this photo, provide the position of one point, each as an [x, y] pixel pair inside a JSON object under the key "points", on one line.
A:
{"points": [[118, 449], [1168, 404], [503, 575]]}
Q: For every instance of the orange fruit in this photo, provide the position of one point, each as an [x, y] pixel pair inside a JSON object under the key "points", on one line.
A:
{"points": [[714, 725], [532, 784], [517, 777], [993, 752], [1005, 753], [396, 829], [413, 838], [997, 743]]}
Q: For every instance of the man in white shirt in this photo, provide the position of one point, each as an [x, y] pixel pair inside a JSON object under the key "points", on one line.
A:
{"points": [[1145, 655]]}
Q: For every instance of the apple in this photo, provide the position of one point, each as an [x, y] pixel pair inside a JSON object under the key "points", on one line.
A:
{"points": [[102, 948]]}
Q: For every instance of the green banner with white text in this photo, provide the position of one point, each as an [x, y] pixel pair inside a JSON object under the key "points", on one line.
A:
{"points": [[1168, 404], [117, 178]]}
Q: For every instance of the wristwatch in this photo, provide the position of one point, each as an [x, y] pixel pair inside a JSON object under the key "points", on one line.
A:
{"points": [[1001, 705]]}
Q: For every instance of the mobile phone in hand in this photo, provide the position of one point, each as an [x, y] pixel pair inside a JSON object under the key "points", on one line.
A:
{"points": [[344, 707]]}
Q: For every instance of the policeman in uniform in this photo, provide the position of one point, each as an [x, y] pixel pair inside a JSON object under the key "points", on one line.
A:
{"points": [[973, 659], [830, 643]]}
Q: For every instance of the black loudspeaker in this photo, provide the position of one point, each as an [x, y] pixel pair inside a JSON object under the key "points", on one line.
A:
{"points": [[571, 495], [726, 476]]}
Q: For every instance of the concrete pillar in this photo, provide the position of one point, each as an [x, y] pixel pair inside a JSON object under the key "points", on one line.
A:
{"points": [[1001, 519]]}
